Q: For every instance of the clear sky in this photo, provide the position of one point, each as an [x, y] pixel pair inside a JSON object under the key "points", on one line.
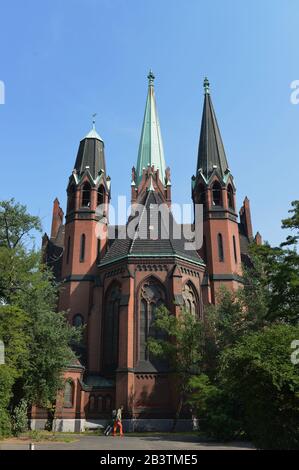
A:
{"points": [[61, 61]]}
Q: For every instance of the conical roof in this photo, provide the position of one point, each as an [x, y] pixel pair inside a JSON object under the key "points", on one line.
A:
{"points": [[151, 146], [211, 153]]}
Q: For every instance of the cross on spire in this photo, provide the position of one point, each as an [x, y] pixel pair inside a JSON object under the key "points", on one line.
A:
{"points": [[94, 120], [151, 78], [206, 85]]}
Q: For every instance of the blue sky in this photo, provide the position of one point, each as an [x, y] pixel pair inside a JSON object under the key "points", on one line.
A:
{"points": [[61, 61]]}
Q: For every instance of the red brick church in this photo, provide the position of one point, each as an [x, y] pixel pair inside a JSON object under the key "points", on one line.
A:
{"points": [[112, 284]]}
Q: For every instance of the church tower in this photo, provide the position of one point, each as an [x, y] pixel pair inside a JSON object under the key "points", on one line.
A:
{"points": [[88, 195], [151, 171], [213, 187]]}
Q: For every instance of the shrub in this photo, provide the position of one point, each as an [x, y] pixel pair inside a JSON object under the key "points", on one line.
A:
{"points": [[218, 416], [259, 373], [20, 418], [6, 383]]}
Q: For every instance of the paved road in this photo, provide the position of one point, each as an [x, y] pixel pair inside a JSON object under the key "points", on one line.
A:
{"points": [[156, 442]]}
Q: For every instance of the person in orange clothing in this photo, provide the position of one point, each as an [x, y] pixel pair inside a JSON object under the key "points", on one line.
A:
{"points": [[118, 422]]}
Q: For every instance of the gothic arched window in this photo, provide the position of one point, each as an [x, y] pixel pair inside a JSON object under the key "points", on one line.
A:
{"points": [[151, 297], [190, 298], [230, 197], [217, 194], [111, 327], [220, 247], [68, 397], [101, 196], [235, 249], [82, 248], [86, 194], [68, 248]]}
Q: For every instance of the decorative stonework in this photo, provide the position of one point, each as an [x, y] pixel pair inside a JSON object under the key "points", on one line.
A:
{"points": [[152, 267], [115, 272], [190, 272], [189, 297], [151, 292]]}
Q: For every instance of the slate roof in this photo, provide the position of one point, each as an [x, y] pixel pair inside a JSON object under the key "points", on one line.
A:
{"points": [[211, 149], [151, 238], [91, 154]]}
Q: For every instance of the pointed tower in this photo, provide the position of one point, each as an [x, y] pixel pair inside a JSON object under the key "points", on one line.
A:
{"points": [[213, 186], [151, 169], [88, 195]]}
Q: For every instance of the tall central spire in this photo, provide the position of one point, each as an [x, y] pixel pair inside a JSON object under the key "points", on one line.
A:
{"points": [[151, 151]]}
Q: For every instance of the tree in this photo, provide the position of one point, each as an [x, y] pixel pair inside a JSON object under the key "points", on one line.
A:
{"points": [[279, 272], [182, 347], [6, 384], [235, 314], [292, 223], [259, 373], [37, 337], [281, 279], [218, 412], [16, 224], [14, 333]]}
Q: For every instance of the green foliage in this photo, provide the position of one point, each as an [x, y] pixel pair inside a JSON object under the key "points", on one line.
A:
{"points": [[14, 333], [20, 418], [217, 412], [292, 223], [259, 373], [232, 317], [281, 280], [183, 341], [181, 344], [37, 338], [6, 384], [276, 269], [16, 224], [49, 355]]}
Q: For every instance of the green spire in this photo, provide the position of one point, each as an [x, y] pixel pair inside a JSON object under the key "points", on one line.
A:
{"points": [[151, 146]]}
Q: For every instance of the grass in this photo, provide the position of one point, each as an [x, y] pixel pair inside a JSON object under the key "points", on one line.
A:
{"points": [[37, 436]]}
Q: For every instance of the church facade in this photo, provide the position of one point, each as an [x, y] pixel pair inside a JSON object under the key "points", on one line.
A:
{"points": [[113, 283]]}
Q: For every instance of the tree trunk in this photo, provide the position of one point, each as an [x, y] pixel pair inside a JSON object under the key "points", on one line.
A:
{"points": [[178, 412]]}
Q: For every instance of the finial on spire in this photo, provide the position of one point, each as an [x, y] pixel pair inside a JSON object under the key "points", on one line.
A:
{"points": [[206, 85], [151, 77], [94, 120]]}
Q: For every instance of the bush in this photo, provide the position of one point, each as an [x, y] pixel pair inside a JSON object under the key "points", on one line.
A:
{"points": [[218, 416], [6, 383], [259, 373], [5, 424], [20, 418]]}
